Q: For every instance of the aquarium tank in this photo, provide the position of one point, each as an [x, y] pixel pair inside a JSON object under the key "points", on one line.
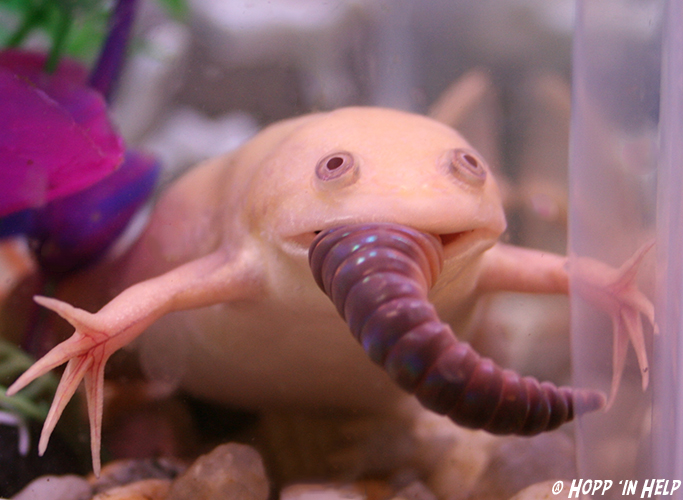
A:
{"points": [[577, 108]]}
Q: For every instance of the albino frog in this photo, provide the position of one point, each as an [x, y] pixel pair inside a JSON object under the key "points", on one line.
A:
{"points": [[228, 244]]}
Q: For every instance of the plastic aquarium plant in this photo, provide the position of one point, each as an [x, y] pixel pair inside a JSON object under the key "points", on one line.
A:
{"points": [[67, 181], [33, 404]]}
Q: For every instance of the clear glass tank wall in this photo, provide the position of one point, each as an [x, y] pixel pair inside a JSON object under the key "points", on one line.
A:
{"points": [[625, 188], [668, 414]]}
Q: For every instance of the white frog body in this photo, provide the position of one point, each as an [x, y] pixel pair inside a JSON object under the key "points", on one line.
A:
{"points": [[285, 344], [227, 245]]}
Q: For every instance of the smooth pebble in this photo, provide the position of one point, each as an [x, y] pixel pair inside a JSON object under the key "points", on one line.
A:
{"points": [[230, 472], [148, 489], [67, 487]]}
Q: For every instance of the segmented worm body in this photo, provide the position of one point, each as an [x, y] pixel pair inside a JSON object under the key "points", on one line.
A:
{"points": [[378, 276]]}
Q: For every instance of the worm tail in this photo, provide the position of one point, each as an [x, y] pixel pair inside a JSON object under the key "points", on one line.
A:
{"points": [[378, 276]]}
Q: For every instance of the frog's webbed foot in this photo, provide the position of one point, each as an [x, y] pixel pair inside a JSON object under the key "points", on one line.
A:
{"points": [[203, 282], [85, 353], [616, 293]]}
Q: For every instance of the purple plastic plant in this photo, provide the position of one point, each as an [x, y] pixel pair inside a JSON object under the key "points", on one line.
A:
{"points": [[56, 138], [66, 179]]}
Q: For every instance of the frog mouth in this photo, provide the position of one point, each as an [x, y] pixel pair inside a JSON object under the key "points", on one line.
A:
{"points": [[453, 244], [449, 240]]}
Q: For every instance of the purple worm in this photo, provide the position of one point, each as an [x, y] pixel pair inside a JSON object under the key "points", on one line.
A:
{"points": [[378, 276]]}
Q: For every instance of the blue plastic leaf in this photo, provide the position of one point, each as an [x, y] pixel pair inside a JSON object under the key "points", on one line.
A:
{"points": [[73, 231]]}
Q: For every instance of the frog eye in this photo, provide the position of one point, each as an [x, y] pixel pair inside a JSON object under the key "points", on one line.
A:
{"points": [[338, 169], [467, 166]]}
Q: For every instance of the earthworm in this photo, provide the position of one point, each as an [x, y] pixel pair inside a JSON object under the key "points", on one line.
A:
{"points": [[378, 276]]}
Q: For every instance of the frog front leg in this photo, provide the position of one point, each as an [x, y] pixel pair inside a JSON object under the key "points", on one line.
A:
{"points": [[612, 290], [209, 280]]}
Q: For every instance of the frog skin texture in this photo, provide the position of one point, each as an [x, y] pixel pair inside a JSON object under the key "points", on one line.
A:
{"points": [[228, 245]]}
